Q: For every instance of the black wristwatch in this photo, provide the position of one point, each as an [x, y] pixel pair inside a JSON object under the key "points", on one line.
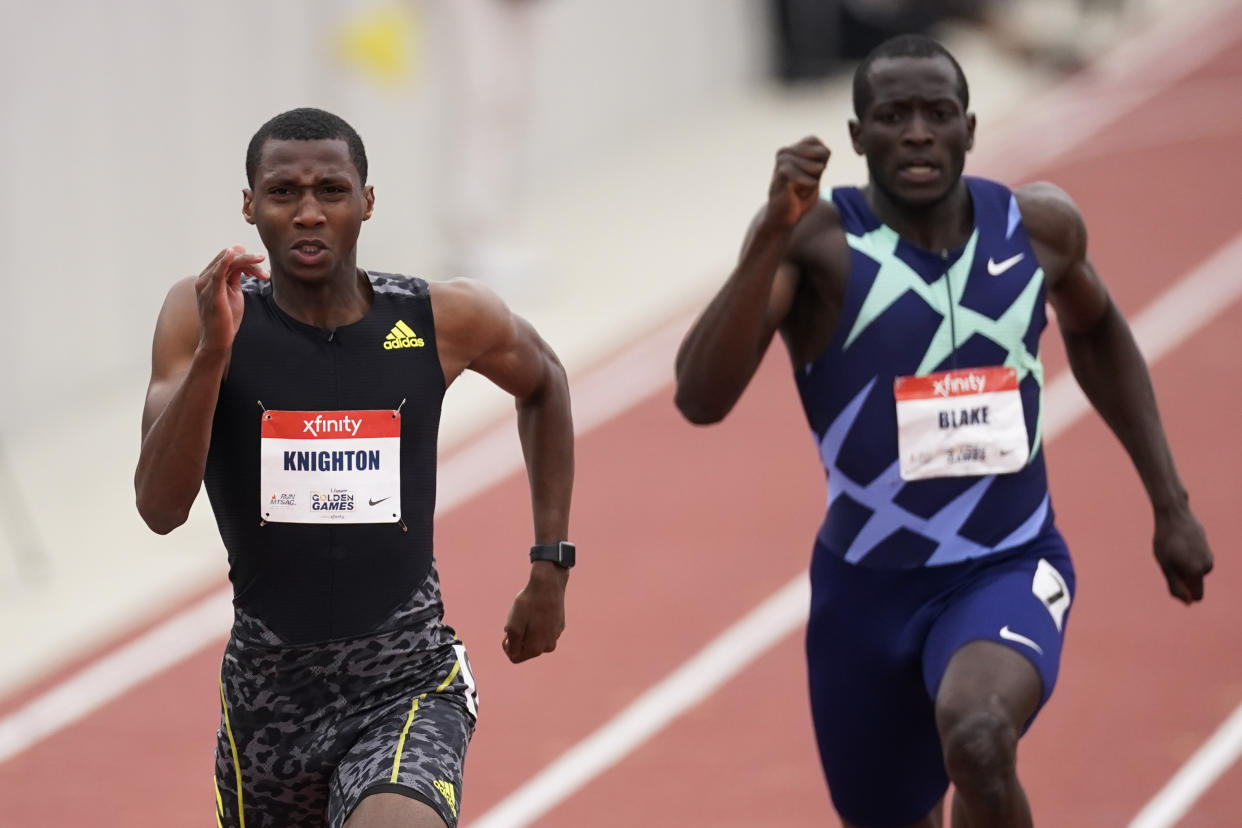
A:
{"points": [[561, 554]]}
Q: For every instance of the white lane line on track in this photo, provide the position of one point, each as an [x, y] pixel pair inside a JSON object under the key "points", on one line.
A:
{"points": [[1195, 777], [111, 676], [1069, 115], [1167, 322], [1189, 304], [691, 683], [602, 393]]}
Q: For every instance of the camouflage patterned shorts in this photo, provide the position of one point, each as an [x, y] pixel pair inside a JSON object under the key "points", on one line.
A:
{"points": [[307, 731]]}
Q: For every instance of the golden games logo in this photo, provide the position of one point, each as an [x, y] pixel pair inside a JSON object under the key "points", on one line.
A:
{"points": [[335, 500]]}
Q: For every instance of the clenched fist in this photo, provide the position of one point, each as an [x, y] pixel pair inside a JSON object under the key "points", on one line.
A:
{"points": [[795, 182]]}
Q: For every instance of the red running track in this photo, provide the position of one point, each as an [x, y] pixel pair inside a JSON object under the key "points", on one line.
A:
{"points": [[683, 530]]}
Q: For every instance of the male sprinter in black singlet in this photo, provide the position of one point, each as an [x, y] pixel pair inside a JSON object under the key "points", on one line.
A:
{"points": [[912, 310], [309, 403]]}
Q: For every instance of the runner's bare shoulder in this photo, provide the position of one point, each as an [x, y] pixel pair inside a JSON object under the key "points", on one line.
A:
{"points": [[1054, 224]]}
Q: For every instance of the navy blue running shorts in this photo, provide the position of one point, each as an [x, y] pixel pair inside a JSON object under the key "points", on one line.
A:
{"points": [[878, 642]]}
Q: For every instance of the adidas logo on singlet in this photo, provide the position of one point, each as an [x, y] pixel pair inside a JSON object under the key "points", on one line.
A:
{"points": [[402, 336]]}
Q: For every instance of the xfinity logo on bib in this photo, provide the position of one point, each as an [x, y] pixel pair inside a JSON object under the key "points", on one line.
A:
{"points": [[969, 384], [339, 425]]}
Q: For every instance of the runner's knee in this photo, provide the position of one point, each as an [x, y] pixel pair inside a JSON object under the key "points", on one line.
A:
{"points": [[980, 749]]}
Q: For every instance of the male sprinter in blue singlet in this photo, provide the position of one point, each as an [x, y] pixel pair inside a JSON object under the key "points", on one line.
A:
{"points": [[912, 310], [309, 403]]}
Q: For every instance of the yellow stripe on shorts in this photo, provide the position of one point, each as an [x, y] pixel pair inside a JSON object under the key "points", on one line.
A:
{"points": [[409, 720], [452, 675], [228, 729]]}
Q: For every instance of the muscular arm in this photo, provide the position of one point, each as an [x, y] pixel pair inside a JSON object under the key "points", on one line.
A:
{"points": [[723, 348], [176, 420], [476, 331], [1107, 364], [193, 339]]}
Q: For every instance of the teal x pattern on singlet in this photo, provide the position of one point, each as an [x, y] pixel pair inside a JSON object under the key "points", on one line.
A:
{"points": [[910, 312]]}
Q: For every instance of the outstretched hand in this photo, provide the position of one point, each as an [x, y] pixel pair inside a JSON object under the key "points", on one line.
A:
{"points": [[1182, 551], [537, 617], [219, 293]]}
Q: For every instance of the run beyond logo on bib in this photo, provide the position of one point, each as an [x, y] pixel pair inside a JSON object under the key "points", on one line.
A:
{"points": [[959, 423], [330, 466]]}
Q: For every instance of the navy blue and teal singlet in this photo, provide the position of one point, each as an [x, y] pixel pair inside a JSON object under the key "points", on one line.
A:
{"points": [[906, 573], [908, 311]]}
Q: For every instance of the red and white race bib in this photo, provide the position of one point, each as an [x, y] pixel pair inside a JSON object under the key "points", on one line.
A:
{"points": [[330, 467], [959, 423]]}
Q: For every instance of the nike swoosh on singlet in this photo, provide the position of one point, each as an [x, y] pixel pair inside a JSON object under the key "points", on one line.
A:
{"points": [[996, 268], [377, 502]]}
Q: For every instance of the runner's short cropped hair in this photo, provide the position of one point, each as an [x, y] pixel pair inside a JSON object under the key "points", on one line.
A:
{"points": [[306, 124], [907, 45]]}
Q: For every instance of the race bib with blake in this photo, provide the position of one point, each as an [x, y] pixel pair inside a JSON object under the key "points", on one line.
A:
{"points": [[330, 466], [958, 423]]}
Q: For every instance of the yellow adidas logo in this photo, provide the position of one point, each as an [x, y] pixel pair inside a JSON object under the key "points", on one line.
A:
{"points": [[402, 336], [446, 791]]}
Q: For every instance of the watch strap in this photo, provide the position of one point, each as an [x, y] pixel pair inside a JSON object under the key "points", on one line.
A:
{"points": [[562, 553]]}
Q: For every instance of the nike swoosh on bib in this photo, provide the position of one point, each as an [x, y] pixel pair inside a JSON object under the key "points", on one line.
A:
{"points": [[996, 268]]}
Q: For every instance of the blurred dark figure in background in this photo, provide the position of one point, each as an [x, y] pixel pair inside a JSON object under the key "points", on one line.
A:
{"points": [[814, 36]]}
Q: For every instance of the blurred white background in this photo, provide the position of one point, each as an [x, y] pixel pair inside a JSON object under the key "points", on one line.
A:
{"points": [[125, 129], [650, 126], [126, 125]]}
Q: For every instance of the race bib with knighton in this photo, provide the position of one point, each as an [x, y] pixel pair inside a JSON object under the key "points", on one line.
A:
{"points": [[959, 423], [330, 467]]}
